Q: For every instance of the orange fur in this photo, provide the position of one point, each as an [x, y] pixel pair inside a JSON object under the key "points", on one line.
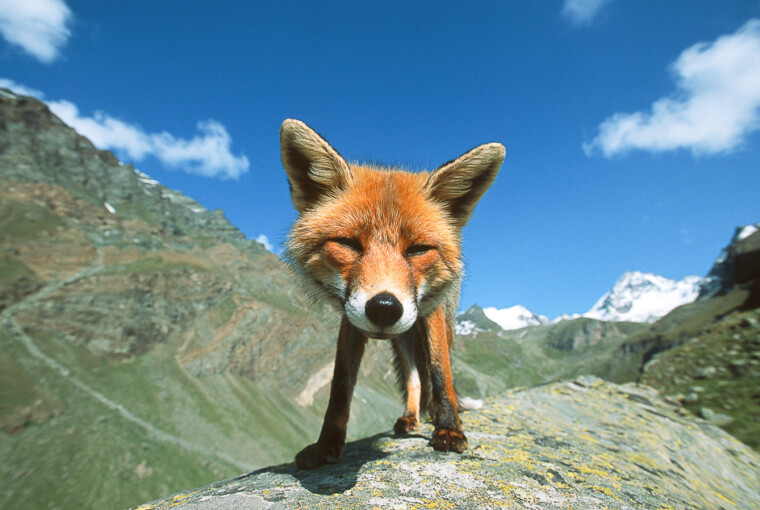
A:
{"points": [[384, 246]]}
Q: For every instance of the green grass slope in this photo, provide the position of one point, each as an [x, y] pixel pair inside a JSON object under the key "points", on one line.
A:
{"points": [[716, 374]]}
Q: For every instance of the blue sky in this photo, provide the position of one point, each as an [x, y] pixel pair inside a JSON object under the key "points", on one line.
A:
{"points": [[632, 128]]}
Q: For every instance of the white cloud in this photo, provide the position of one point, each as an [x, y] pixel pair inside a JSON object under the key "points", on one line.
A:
{"points": [[583, 12], [263, 239], [207, 153], [39, 27], [715, 106]]}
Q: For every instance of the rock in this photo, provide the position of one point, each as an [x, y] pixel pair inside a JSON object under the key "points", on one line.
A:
{"points": [[706, 413], [706, 372], [585, 444], [738, 367], [721, 420]]}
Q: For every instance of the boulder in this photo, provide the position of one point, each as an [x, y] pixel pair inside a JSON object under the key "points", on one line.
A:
{"points": [[580, 444]]}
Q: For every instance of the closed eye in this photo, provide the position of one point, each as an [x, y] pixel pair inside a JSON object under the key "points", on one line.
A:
{"points": [[418, 249], [348, 242]]}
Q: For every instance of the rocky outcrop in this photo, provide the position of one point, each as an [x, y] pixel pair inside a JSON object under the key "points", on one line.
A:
{"points": [[37, 147], [737, 265], [579, 334], [580, 444], [715, 374]]}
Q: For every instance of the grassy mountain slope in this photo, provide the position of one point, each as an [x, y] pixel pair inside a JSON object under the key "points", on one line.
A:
{"points": [[150, 349], [715, 374], [707, 354], [490, 359]]}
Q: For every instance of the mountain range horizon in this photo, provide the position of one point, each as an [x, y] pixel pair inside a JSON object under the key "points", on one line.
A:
{"points": [[635, 297]]}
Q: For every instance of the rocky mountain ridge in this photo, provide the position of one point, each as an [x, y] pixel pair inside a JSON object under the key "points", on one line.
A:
{"points": [[35, 135], [635, 297], [644, 297], [736, 264], [515, 317]]}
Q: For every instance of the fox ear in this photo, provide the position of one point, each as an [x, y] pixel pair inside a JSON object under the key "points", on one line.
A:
{"points": [[460, 183], [314, 168]]}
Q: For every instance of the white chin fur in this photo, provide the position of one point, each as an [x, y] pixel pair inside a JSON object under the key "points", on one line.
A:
{"points": [[355, 308]]}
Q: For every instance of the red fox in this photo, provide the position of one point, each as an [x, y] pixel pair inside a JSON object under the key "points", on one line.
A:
{"points": [[384, 246]]}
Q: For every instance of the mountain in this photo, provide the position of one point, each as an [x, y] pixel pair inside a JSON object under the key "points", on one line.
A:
{"points": [[488, 359], [644, 297], [145, 344], [706, 354], [635, 297], [474, 321]]}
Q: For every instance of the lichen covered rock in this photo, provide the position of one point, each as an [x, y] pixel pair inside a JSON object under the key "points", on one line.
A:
{"points": [[580, 444]]}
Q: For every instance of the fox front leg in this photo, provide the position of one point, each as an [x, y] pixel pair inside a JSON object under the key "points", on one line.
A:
{"points": [[404, 347], [329, 446], [448, 435]]}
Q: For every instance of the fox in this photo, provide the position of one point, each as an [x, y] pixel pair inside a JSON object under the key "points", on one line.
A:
{"points": [[383, 245]]}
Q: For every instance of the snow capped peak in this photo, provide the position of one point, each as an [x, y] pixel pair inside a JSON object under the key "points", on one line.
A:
{"points": [[644, 297], [635, 297], [514, 317]]}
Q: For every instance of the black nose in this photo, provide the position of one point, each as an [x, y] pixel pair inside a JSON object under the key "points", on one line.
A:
{"points": [[384, 309]]}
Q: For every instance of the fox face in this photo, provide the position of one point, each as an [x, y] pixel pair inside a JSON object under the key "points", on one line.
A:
{"points": [[380, 249], [381, 244]]}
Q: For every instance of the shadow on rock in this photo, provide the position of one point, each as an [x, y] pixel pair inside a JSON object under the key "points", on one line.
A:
{"points": [[340, 477]]}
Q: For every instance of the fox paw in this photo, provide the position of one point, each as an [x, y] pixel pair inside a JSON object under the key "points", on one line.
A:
{"points": [[448, 440], [406, 424], [316, 455]]}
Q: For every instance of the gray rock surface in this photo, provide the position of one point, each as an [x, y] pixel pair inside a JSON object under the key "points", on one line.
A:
{"points": [[580, 444]]}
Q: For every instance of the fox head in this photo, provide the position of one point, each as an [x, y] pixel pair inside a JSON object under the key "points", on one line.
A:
{"points": [[382, 244]]}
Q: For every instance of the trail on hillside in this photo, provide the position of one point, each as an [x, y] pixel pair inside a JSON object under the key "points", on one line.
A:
{"points": [[6, 318]]}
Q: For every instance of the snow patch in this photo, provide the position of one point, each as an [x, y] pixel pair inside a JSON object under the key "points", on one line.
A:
{"points": [[746, 231], [567, 317], [145, 179], [464, 327], [514, 317]]}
